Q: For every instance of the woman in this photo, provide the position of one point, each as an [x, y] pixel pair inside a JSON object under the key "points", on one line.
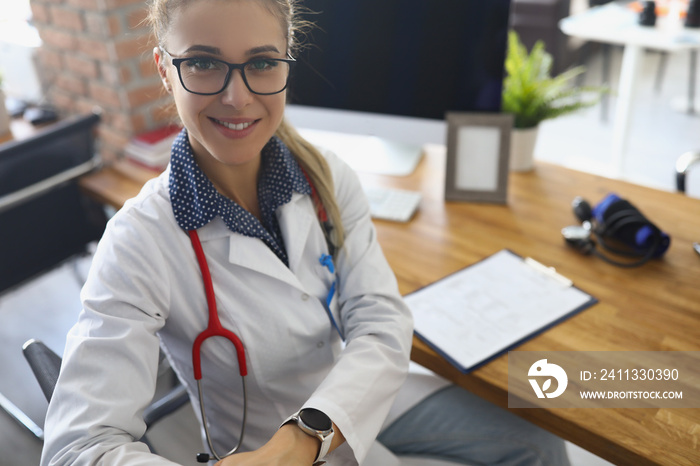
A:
{"points": [[297, 273]]}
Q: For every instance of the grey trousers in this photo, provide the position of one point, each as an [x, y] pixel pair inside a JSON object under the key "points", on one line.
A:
{"points": [[455, 425]]}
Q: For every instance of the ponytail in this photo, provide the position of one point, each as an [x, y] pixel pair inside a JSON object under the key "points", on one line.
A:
{"points": [[316, 167]]}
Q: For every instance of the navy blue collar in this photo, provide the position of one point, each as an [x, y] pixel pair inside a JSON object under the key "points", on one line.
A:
{"points": [[196, 202]]}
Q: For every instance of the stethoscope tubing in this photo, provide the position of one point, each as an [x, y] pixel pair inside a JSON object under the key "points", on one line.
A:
{"points": [[206, 424], [214, 329]]}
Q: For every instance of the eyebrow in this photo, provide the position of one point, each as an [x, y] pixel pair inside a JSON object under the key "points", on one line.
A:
{"points": [[217, 51], [262, 49]]}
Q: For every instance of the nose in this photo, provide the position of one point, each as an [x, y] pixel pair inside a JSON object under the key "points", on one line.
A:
{"points": [[236, 93]]}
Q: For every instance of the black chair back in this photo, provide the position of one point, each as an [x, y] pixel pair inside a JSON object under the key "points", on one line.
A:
{"points": [[44, 217], [45, 365]]}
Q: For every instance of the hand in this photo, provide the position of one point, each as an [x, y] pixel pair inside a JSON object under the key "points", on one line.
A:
{"points": [[288, 447]]}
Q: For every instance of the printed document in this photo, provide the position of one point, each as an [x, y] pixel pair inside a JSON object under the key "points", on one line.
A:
{"points": [[486, 309]]}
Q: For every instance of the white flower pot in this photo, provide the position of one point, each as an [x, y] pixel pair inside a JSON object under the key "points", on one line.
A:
{"points": [[522, 148], [4, 116]]}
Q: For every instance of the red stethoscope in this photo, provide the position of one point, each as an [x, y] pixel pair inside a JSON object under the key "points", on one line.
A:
{"points": [[215, 329]]}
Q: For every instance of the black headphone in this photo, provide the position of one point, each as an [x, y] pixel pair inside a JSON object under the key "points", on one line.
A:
{"points": [[618, 227]]}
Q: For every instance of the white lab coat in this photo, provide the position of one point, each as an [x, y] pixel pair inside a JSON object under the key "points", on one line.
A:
{"points": [[145, 289]]}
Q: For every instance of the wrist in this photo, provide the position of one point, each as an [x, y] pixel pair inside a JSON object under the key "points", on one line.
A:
{"points": [[299, 444], [317, 425]]}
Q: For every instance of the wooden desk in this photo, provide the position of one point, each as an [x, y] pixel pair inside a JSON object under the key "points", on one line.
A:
{"points": [[654, 307]]}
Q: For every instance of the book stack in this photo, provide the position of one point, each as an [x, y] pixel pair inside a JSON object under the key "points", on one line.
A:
{"points": [[152, 148]]}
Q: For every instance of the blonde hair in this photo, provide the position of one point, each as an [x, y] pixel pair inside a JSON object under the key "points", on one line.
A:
{"points": [[307, 156]]}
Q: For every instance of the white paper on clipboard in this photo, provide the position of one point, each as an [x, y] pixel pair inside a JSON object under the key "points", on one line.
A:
{"points": [[489, 307]]}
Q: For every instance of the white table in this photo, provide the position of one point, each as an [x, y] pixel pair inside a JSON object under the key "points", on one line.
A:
{"points": [[616, 23]]}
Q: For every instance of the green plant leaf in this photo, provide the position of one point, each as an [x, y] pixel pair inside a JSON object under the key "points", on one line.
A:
{"points": [[532, 94]]}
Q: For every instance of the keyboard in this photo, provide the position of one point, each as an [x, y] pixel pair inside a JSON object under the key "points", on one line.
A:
{"points": [[397, 205]]}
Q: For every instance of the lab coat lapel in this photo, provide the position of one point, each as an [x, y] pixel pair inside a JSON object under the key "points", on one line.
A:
{"points": [[296, 219], [255, 255], [244, 251], [213, 230]]}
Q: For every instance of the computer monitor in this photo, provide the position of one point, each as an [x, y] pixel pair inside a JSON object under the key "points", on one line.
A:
{"points": [[416, 59]]}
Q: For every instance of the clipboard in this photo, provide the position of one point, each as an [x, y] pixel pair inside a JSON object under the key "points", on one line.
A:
{"points": [[486, 309]]}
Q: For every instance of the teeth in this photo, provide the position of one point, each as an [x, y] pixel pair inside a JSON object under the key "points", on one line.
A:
{"points": [[237, 127]]}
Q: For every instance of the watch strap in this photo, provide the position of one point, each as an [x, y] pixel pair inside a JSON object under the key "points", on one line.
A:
{"points": [[325, 446]]}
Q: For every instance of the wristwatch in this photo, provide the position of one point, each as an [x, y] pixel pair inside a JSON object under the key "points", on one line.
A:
{"points": [[316, 424]]}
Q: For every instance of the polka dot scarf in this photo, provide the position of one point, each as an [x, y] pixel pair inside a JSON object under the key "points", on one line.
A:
{"points": [[196, 202]]}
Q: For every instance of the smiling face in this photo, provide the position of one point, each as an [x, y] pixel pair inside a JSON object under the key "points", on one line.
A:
{"points": [[231, 127]]}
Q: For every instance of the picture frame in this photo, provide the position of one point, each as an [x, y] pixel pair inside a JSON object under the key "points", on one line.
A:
{"points": [[478, 151]]}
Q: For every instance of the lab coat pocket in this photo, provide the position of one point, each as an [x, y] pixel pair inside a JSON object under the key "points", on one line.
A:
{"points": [[300, 345]]}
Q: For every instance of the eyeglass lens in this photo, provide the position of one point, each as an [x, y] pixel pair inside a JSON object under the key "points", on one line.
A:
{"points": [[209, 76]]}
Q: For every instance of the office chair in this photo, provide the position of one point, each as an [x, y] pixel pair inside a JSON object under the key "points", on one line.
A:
{"points": [[46, 365], [683, 164]]}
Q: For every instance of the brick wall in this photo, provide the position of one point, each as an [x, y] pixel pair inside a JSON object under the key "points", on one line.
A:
{"points": [[98, 53]]}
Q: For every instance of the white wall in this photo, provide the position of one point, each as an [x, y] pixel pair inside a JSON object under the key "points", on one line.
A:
{"points": [[18, 44]]}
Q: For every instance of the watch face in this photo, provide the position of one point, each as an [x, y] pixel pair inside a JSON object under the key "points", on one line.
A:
{"points": [[315, 419]]}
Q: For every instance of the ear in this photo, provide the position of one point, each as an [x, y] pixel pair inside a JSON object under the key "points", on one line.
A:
{"points": [[160, 65]]}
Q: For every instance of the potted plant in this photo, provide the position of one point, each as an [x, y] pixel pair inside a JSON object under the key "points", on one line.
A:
{"points": [[532, 95], [4, 116]]}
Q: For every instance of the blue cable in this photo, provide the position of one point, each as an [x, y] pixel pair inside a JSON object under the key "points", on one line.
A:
{"points": [[327, 261]]}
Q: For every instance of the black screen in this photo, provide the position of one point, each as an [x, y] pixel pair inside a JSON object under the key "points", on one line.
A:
{"points": [[417, 58]]}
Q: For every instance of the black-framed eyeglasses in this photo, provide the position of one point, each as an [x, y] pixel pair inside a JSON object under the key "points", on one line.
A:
{"points": [[208, 76]]}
